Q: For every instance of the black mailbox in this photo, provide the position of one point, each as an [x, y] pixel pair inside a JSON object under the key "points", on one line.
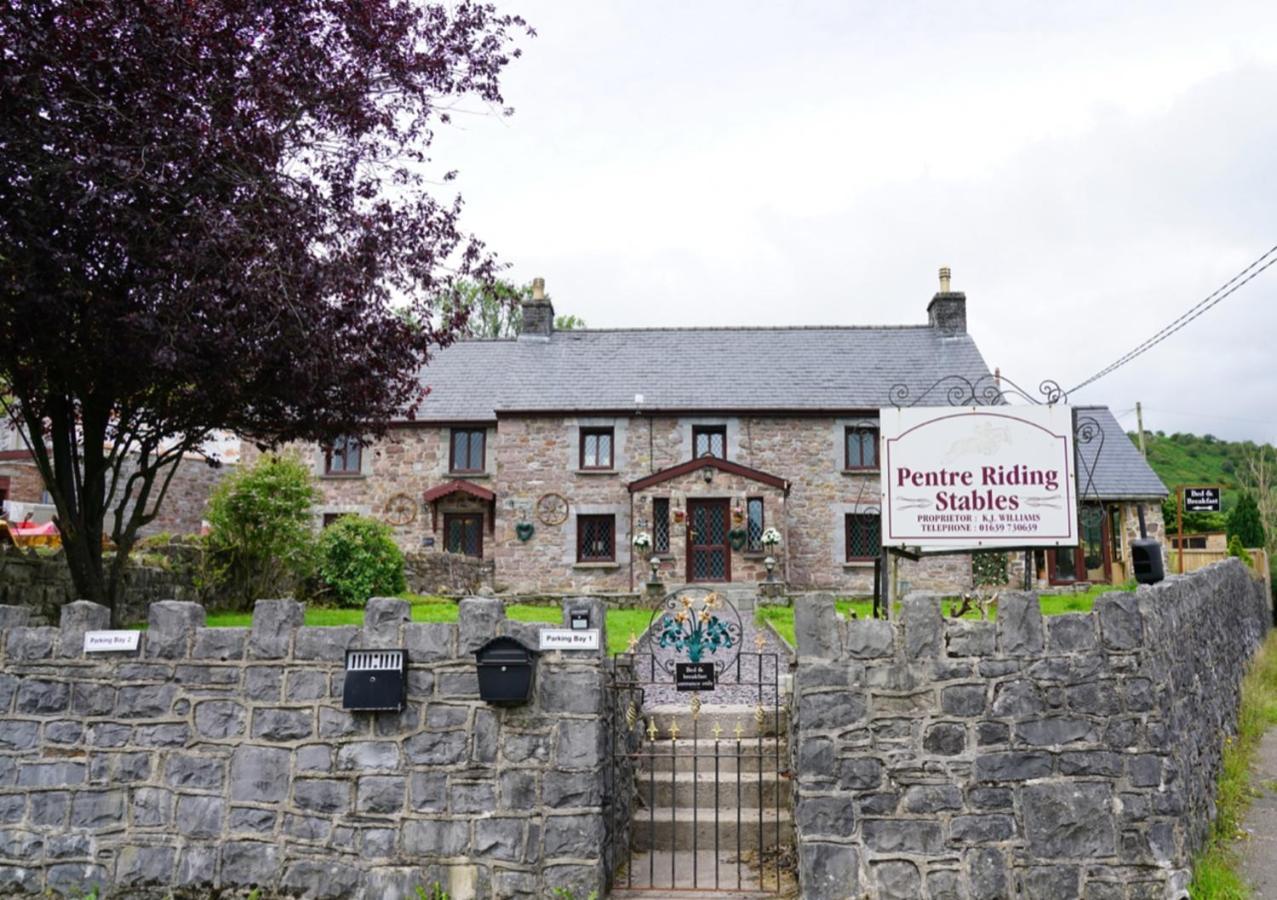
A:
{"points": [[1146, 560], [505, 671], [376, 680]]}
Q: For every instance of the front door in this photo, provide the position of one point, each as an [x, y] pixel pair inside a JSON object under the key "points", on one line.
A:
{"points": [[463, 533], [709, 556]]}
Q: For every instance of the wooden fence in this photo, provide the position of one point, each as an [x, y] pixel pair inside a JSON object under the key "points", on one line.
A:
{"points": [[1197, 559]]}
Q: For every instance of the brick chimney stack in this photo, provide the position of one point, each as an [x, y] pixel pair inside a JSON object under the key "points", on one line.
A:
{"points": [[538, 314], [947, 310]]}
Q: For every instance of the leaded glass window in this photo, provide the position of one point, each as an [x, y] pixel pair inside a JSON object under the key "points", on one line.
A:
{"points": [[862, 448], [709, 440], [863, 537], [463, 533], [467, 450], [596, 448], [660, 525], [754, 524], [595, 538]]}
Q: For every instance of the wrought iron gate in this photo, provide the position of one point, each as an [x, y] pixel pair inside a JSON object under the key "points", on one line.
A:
{"points": [[699, 758]]}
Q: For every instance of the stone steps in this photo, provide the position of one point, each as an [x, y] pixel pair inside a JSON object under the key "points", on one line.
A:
{"points": [[671, 828], [688, 789], [659, 756]]}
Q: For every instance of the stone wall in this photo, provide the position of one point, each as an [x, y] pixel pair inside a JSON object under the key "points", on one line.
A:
{"points": [[42, 585], [223, 757], [446, 573], [1072, 756]]}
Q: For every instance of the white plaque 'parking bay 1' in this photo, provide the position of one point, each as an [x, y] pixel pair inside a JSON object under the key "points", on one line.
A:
{"points": [[567, 639], [110, 641]]}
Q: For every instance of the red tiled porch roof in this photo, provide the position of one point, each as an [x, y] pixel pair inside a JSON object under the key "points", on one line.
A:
{"points": [[723, 465], [458, 487]]}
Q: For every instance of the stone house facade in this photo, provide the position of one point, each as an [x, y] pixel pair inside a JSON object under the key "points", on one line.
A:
{"points": [[22, 490], [547, 453]]}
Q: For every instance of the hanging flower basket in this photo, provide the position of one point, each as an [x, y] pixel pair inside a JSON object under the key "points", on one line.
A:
{"points": [[771, 537], [642, 542]]}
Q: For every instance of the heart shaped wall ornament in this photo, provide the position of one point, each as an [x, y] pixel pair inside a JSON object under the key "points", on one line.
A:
{"points": [[523, 530]]}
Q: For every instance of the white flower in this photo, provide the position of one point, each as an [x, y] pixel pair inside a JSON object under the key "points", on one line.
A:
{"points": [[642, 540], [771, 537]]}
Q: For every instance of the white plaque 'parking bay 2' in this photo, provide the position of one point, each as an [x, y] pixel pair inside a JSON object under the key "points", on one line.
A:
{"points": [[110, 641]]}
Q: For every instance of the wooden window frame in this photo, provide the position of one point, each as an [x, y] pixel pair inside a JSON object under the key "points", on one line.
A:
{"points": [[449, 518], [698, 430], [596, 433], [346, 470], [580, 537], [846, 536], [762, 524], [452, 451], [861, 466]]}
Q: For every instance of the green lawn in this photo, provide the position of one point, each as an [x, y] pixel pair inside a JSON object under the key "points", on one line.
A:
{"points": [[620, 622], [782, 617]]}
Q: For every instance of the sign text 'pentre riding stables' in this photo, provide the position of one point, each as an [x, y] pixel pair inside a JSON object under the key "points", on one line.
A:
{"points": [[956, 478]]}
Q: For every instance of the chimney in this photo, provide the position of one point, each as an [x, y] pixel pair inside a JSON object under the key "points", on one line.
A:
{"points": [[947, 310], [538, 314]]}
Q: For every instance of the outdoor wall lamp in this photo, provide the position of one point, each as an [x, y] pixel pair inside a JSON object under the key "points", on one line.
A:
{"points": [[708, 474]]}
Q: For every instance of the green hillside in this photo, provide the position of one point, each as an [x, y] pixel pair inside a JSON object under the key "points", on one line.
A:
{"points": [[1196, 460]]}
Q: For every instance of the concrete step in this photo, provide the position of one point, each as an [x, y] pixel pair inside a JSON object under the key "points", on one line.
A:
{"points": [[688, 789], [675, 829], [669, 875], [775, 719], [660, 756]]}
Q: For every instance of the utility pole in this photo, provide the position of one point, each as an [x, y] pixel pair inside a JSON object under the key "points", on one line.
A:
{"points": [[1139, 420]]}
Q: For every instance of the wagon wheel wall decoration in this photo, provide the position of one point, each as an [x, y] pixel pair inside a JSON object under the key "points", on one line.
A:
{"points": [[400, 510], [552, 509]]}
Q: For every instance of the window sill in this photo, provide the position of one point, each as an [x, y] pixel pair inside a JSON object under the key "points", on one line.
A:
{"points": [[469, 475], [596, 565], [859, 564], [597, 472], [859, 471], [342, 476], [754, 554]]}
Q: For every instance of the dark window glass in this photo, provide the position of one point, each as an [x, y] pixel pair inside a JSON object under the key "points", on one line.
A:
{"points": [[754, 524], [596, 448], [463, 534], [863, 537], [343, 457], [709, 440], [330, 518], [661, 525], [595, 538], [467, 450], [862, 448]]}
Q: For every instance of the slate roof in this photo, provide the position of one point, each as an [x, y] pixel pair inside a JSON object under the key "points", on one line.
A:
{"points": [[692, 369], [1120, 471]]}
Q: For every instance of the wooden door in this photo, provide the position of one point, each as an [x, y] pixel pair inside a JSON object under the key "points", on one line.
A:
{"points": [[709, 554], [463, 533]]}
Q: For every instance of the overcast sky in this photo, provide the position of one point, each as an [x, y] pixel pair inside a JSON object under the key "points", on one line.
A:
{"points": [[1088, 170]]}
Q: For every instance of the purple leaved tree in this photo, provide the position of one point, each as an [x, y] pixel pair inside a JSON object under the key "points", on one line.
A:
{"points": [[206, 210]]}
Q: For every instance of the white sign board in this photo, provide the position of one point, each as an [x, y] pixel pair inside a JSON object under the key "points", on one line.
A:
{"points": [[110, 641], [981, 477], [567, 639]]}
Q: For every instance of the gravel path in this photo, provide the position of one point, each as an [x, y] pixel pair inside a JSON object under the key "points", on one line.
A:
{"points": [[737, 683]]}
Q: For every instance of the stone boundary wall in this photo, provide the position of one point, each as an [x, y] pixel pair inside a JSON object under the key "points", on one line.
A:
{"points": [[221, 757], [42, 584], [1066, 757], [453, 574]]}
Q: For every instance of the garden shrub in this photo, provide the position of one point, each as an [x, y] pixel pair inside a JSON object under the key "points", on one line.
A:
{"points": [[1236, 549], [358, 559], [988, 568], [260, 541]]}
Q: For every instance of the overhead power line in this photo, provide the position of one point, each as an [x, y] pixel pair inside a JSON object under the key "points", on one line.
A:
{"points": [[1211, 300]]}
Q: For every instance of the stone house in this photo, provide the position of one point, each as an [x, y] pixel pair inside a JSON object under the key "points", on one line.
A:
{"points": [[545, 454], [23, 494]]}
